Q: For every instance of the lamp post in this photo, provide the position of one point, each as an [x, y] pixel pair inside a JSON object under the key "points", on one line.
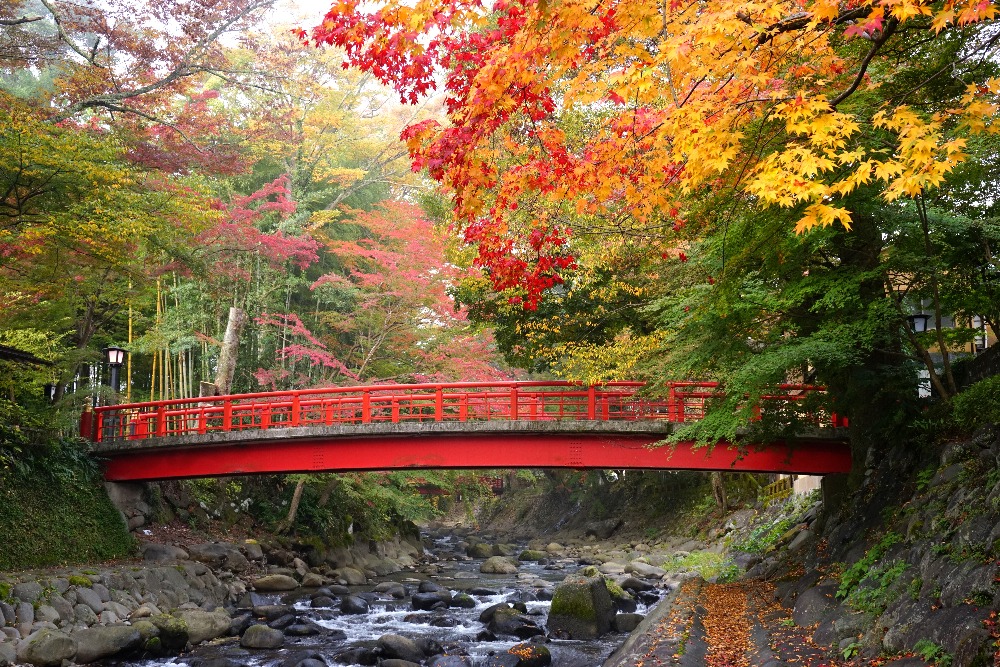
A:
{"points": [[918, 322], [115, 357]]}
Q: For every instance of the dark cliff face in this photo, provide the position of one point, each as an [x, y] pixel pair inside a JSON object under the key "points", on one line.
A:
{"points": [[910, 562]]}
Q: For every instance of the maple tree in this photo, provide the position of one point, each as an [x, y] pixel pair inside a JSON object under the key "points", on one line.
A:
{"points": [[759, 98]]}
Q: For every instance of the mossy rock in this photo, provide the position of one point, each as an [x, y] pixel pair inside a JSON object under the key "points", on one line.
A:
{"points": [[590, 571], [80, 580], [531, 655], [615, 591], [173, 631], [581, 608], [532, 555]]}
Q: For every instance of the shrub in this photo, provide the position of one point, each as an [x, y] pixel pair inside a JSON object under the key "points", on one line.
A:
{"points": [[979, 404]]}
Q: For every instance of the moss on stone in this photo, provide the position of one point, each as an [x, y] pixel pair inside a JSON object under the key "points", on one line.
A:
{"points": [[78, 580], [575, 602], [616, 591]]}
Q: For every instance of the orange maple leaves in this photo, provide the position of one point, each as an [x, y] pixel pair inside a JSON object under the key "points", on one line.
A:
{"points": [[588, 113]]}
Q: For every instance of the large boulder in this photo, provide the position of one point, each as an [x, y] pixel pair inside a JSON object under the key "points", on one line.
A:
{"points": [[397, 646], [512, 623], [204, 625], [220, 555], [480, 550], [351, 576], [498, 565], [46, 648], [645, 570], [104, 641], [275, 582], [173, 632], [581, 608], [353, 604], [162, 553], [8, 656], [813, 605], [261, 636]]}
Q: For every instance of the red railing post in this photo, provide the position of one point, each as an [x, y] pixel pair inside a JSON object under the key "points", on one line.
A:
{"points": [[366, 406], [202, 421], [513, 403], [227, 415], [675, 406], [87, 424], [296, 410], [395, 410], [438, 403], [161, 421], [463, 407], [591, 402]]}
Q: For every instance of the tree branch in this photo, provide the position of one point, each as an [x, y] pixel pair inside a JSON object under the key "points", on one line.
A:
{"points": [[890, 28], [20, 21]]}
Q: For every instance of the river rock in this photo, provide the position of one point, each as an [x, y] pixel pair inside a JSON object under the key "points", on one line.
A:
{"points": [[84, 615], [396, 662], [645, 570], [275, 582], [450, 661], [312, 580], [102, 642], [27, 591], [532, 555], [8, 656], [322, 602], [634, 584], [531, 655], [205, 625], [47, 614], [480, 550], [430, 601], [502, 660], [498, 565], [272, 611], [353, 604], [356, 656], [162, 553], [261, 636], [46, 648], [351, 576], [627, 622], [301, 630], [511, 622], [463, 601], [581, 608], [220, 555], [397, 646], [7, 613], [90, 598]]}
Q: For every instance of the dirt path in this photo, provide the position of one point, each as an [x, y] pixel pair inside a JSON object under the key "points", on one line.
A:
{"points": [[722, 625]]}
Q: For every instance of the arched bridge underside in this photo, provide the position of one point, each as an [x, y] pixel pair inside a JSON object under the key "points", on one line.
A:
{"points": [[518, 425], [515, 444]]}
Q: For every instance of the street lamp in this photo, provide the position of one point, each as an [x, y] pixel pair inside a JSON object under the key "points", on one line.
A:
{"points": [[115, 357], [918, 322]]}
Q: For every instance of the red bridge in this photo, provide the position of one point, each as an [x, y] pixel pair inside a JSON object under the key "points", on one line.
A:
{"points": [[458, 425]]}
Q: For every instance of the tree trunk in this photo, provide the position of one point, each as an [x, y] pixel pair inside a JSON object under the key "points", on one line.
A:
{"points": [[229, 351], [293, 509], [719, 491]]}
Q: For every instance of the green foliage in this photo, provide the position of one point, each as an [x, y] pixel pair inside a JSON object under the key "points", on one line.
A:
{"points": [[979, 404], [54, 510], [863, 568], [708, 565], [850, 651], [932, 653], [924, 478], [872, 595]]}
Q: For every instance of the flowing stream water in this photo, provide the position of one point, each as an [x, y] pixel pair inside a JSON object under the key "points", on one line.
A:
{"points": [[459, 630]]}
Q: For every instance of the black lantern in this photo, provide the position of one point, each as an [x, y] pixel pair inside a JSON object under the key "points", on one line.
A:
{"points": [[115, 357], [918, 322]]}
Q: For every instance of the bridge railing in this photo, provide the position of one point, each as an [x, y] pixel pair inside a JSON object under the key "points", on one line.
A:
{"points": [[372, 404]]}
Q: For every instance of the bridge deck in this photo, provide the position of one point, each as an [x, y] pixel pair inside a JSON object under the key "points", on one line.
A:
{"points": [[512, 425]]}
